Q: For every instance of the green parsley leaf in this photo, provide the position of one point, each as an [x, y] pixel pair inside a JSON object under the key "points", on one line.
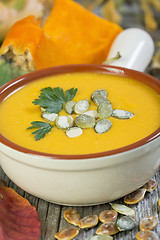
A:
{"points": [[59, 94], [49, 100], [70, 94], [44, 128], [52, 99]]}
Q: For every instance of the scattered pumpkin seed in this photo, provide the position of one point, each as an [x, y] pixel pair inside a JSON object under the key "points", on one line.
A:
{"points": [[98, 99], [104, 110], [101, 237], [151, 185], [92, 113], [126, 223], [88, 221], [108, 216], [120, 208], [122, 114], [74, 132], [135, 196], [148, 223], [69, 107], [102, 125], [51, 117], [64, 122], [101, 92], [84, 121], [109, 228], [67, 234], [81, 106], [147, 235], [72, 216]]}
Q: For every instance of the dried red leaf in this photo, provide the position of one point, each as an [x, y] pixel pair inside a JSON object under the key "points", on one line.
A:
{"points": [[18, 219]]}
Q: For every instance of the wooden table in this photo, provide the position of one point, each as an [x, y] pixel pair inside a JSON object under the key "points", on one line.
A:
{"points": [[51, 215], [52, 220]]}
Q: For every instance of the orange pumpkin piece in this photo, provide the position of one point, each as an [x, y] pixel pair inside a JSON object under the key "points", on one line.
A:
{"points": [[21, 41], [18, 219], [74, 35]]}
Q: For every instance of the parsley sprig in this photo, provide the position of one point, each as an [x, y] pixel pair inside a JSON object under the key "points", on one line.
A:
{"points": [[43, 129], [52, 99]]}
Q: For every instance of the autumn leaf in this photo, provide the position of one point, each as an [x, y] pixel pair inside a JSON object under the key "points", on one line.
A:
{"points": [[18, 219]]}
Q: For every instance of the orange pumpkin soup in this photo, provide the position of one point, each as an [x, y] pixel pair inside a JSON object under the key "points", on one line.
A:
{"points": [[17, 112]]}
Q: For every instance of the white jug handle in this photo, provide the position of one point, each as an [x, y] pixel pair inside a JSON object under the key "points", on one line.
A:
{"points": [[136, 48]]}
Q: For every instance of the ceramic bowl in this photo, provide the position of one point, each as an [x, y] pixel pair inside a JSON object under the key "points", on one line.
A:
{"points": [[81, 179]]}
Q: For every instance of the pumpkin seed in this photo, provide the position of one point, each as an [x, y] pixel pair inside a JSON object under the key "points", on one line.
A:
{"points": [[64, 122], [98, 99], [81, 106], [122, 114], [92, 113], [101, 92], [88, 221], [101, 237], [74, 132], [69, 107], [42, 109], [148, 223], [104, 110], [151, 185], [102, 125], [84, 121], [135, 196], [120, 208], [109, 228], [147, 235], [67, 234], [126, 223], [51, 117], [108, 216], [72, 216]]}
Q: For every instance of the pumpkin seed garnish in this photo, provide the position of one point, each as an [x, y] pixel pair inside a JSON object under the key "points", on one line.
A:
{"points": [[84, 121], [101, 92], [42, 109], [126, 223], [88, 221], [151, 185], [92, 113], [122, 114], [135, 196], [109, 228], [147, 235], [124, 210], [74, 132], [67, 234], [104, 110], [72, 216], [108, 216], [101, 237], [98, 99], [64, 122], [69, 107], [148, 223], [81, 106], [51, 117], [102, 125]]}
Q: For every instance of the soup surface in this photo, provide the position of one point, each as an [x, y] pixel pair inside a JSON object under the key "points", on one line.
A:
{"points": [[17, 112]]}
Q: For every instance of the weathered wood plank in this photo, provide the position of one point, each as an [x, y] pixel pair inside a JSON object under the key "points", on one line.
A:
{"points": [[52, 219]]}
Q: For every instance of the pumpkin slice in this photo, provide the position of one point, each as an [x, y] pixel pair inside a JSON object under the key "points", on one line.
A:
{"points": [[74, 35], [21, 41]]}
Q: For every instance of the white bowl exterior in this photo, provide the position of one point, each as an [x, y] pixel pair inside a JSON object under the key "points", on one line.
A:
{"points": [[82, 181]]}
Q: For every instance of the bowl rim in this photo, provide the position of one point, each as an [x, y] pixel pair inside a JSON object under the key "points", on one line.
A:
{"points": [[16, 83]]}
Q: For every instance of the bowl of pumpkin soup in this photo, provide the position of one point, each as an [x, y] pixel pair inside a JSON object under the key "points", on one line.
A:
{"points": [[80, 134]]}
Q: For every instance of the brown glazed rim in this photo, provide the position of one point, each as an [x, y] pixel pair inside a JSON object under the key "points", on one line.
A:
{"points": [[11, 86]]}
